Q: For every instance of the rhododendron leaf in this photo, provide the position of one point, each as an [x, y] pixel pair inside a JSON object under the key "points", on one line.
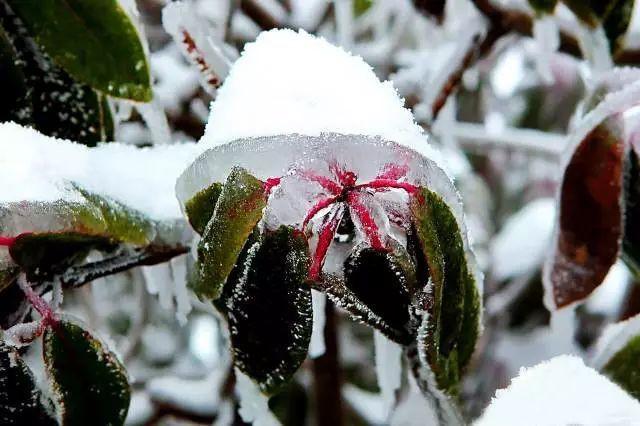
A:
{"points": [[238, 210], [269, 309], [622, 367], [89, 382], [448, 308], [21, 402], [44, 255], [590, 217], [631, 242], [380, 281], [94, 41], [200, 207], [48, 98]]}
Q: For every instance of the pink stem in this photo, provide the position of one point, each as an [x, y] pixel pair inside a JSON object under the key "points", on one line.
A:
{"points": [[325, 237], [370, 228], [393, 171], [325, 202], [323, 181], [7, 241], [271, 183], [38, 303], [384, 184]]}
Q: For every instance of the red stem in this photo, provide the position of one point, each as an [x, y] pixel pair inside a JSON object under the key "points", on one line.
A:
{"points": [[323, 181], [393, 171], [325, 202], [271, 183], [7, 241], [385, 184], [371, 230], [325, 237], [38, 303]]}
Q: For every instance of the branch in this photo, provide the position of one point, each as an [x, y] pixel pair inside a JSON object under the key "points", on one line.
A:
{"points": [[254, 10]]}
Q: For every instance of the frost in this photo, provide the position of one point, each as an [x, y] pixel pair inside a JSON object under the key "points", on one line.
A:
{"points": [[317, 347], [21, 334], [561, 391], [522, 244], [35, 167], [254, 406], [388, 369]]}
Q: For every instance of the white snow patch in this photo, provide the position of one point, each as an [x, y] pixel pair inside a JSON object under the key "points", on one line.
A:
{"points": [[388, 369], [254, 406], [317, 346], [561, 391]]}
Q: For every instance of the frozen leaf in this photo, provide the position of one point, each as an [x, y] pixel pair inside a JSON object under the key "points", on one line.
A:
{"points": [[449, 306], [199, 208], [89, 382], [589, 226], [238, 210], [270, 310], [43, 95], [381, 281], [21, 402], [94, 41]]}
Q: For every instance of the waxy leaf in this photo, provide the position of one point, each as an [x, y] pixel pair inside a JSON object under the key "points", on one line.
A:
{"points": [[448, 308], [269, 309], [43, 95], [624, 369], [89, 382], [590, 217], [238, 210], [200, 207], [94, 41], [21, 401]]}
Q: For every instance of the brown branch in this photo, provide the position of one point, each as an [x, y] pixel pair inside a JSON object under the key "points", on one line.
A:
{"points": [[259, 15]]}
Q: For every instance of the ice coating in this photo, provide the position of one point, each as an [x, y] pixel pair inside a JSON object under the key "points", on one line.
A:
{"points": [[35, 167], [292, 82], [561, 391], [613, 339]]}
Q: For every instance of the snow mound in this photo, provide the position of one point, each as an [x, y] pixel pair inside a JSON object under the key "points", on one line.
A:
{"points": [[561, 391], [35, 167], [292, 82]]}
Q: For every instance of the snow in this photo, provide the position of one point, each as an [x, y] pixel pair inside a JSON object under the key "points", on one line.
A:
{"points": [[547, 36], [317, 346], [388, 369], [561, 391], [522, 243], [200, 397], [613, 339], [292, 82], [254, 406], [35, 167]]}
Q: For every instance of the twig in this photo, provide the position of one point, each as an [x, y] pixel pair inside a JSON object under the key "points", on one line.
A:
{"points": [[260, 15]]}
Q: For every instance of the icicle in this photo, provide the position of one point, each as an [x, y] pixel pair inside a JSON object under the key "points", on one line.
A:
{"points": [[547, 36], [156, 120], [183, 301], [159, 281], [595, 47], [344, 22], [254, 406], [317, 347], [388, 368]]}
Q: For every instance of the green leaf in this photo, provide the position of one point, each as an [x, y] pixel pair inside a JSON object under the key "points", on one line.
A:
{"points": [[622, 368], [89, 382], [382, 281], [200, 207], [49, 99], [21, 402], [270, 313], [238, 210], [94, 41], [591, 216], [449, 331]]}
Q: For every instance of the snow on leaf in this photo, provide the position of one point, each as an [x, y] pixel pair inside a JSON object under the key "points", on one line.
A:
{"points": [[560, 391], [270, 309], [21, 402], [89, 382], [589, 227], [95, 41], [238, 209]]}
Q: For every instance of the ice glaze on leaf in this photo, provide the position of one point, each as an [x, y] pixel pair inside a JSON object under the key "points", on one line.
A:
{"points": [[270, 312], [238, 210], [89, 382], [623, 369], [381, 281], [95, 41], [20, 399], [590, 217], [448, 308], [200, 207], [631, 242]]}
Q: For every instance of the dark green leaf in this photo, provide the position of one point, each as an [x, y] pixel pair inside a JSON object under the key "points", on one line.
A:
{"points": [[90, 384], [21, 402], [15, 103], [624, 367], [200, 207], [631, 242], [238, 210], [590, 216], [270, 313], [50, 100], [451, 326], [95, 41]]}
